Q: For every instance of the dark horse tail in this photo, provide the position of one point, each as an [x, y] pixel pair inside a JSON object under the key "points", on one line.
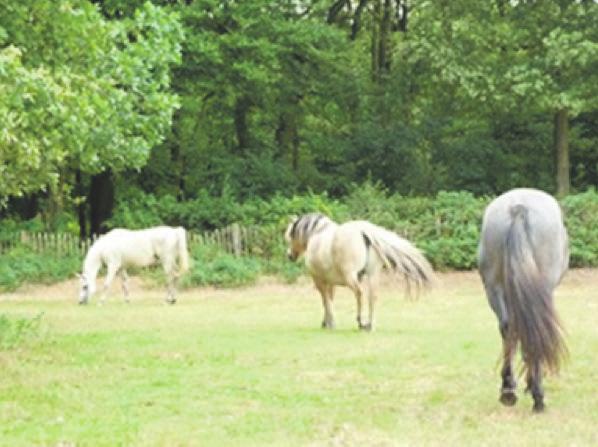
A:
{"points": [[532, 319]]}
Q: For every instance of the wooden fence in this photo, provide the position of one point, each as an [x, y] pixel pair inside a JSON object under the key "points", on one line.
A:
{"points": [[234, 239]]}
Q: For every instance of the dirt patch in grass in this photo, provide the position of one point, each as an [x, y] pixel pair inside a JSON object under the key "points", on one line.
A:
{"points": [[448, 283]]}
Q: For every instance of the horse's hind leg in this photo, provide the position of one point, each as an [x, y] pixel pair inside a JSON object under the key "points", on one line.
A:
{"points": [[168, 265], [509, 343], [125, 284], [358, 289], [534, 385], [372, 284], [509, 385]]}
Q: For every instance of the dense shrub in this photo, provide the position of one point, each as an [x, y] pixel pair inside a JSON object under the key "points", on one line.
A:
{"points": [[445, 227], [581, 216], [211, 266], [21, 265]]}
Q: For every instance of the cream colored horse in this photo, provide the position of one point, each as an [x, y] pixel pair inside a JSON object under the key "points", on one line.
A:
{"points": [[353, 254], [120, 248]]}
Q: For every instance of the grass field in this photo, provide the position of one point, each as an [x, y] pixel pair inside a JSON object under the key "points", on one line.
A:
{"points": [[251, 367]]}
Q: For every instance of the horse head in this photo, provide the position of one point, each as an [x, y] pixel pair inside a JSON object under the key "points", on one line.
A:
{"points": [[85, 288], [300, 229]]}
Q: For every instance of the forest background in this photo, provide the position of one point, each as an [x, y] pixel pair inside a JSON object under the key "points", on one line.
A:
{"points": [[208, 112]]}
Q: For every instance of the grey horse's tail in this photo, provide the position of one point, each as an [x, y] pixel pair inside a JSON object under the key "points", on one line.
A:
{"points": [[400, 257], [532, 319]]}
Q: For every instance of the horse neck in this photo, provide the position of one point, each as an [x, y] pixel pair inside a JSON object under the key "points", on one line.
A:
{"points": [[92, 264]]}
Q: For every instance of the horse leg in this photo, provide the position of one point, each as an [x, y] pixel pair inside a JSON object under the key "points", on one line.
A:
{"points": [[507, 390], [110, 274], [125, 284], [357, 288], [327, 294], [371, 304], [168, 265], [534, 385]]}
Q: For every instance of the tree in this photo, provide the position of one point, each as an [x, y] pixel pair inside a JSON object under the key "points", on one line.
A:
{"points": [[532, 57], [80, 92]]}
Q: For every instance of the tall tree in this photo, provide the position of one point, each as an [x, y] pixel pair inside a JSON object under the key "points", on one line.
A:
{"points": [[81, 93], [516, 56]]}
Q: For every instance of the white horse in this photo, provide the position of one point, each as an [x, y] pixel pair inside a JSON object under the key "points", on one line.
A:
{"points": [[353, 254], [120, 248], [524, 253]]}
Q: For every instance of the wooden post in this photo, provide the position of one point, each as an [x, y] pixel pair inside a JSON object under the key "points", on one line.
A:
{"points": [[237, 242]]}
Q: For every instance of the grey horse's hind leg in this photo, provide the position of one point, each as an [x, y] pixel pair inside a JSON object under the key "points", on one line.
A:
{"points": [[534, 386], [495, 294], [509, 385]]}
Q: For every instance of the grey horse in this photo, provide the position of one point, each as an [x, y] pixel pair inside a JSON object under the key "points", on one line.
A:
{"points": [[523, 254]]}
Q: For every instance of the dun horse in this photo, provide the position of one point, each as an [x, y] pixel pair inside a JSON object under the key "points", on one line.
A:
{"points": [[353, 254], [120, 248], [523, 255]]}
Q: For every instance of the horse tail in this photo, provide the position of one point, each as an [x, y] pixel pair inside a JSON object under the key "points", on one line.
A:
{"points": [[401, 257], [532, 319], [182, 246]]}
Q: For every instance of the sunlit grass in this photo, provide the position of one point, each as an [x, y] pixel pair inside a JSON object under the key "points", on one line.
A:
{"points": [[251, 367]]}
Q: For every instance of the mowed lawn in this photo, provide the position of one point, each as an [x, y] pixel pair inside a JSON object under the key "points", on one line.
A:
{"points": [[251, 367]]}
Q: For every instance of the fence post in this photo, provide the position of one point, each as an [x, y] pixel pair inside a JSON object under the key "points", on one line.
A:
{"points": [[237, 243]]}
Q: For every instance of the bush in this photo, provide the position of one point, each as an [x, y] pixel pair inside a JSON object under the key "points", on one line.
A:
{"points": [[581, 216], [211, 266], [21, 265]]}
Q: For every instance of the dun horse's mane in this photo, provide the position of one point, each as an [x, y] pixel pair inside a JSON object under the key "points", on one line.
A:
{"points": [[304, 226]]}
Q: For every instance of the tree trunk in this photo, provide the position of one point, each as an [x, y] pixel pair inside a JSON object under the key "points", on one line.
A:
{"points": [[82, 205], [561, 145], [101, 201], [287, 133], [240, 116]]}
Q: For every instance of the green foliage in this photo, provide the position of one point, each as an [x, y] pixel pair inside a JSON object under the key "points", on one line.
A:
{"points": [[21, 265], [580, 215], [15, 331], [212, 267], [77, 90]]}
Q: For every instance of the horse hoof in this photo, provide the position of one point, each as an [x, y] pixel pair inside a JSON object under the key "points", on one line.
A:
{"points": [[508, 398], [538, 407], [326, 325], [82, 303], [366, 327], [171, 302]]}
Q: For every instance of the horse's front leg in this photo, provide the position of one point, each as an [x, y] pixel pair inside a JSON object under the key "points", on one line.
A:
{"points": [[110, 274], [326, 292]]}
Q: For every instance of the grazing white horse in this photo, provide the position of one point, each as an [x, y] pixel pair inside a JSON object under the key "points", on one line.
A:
{"points": [[120, 248], [353, 254], [524, 253]]}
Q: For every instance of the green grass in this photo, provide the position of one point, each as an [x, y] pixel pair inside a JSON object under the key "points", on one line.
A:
{"points": [[250, 367]]}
